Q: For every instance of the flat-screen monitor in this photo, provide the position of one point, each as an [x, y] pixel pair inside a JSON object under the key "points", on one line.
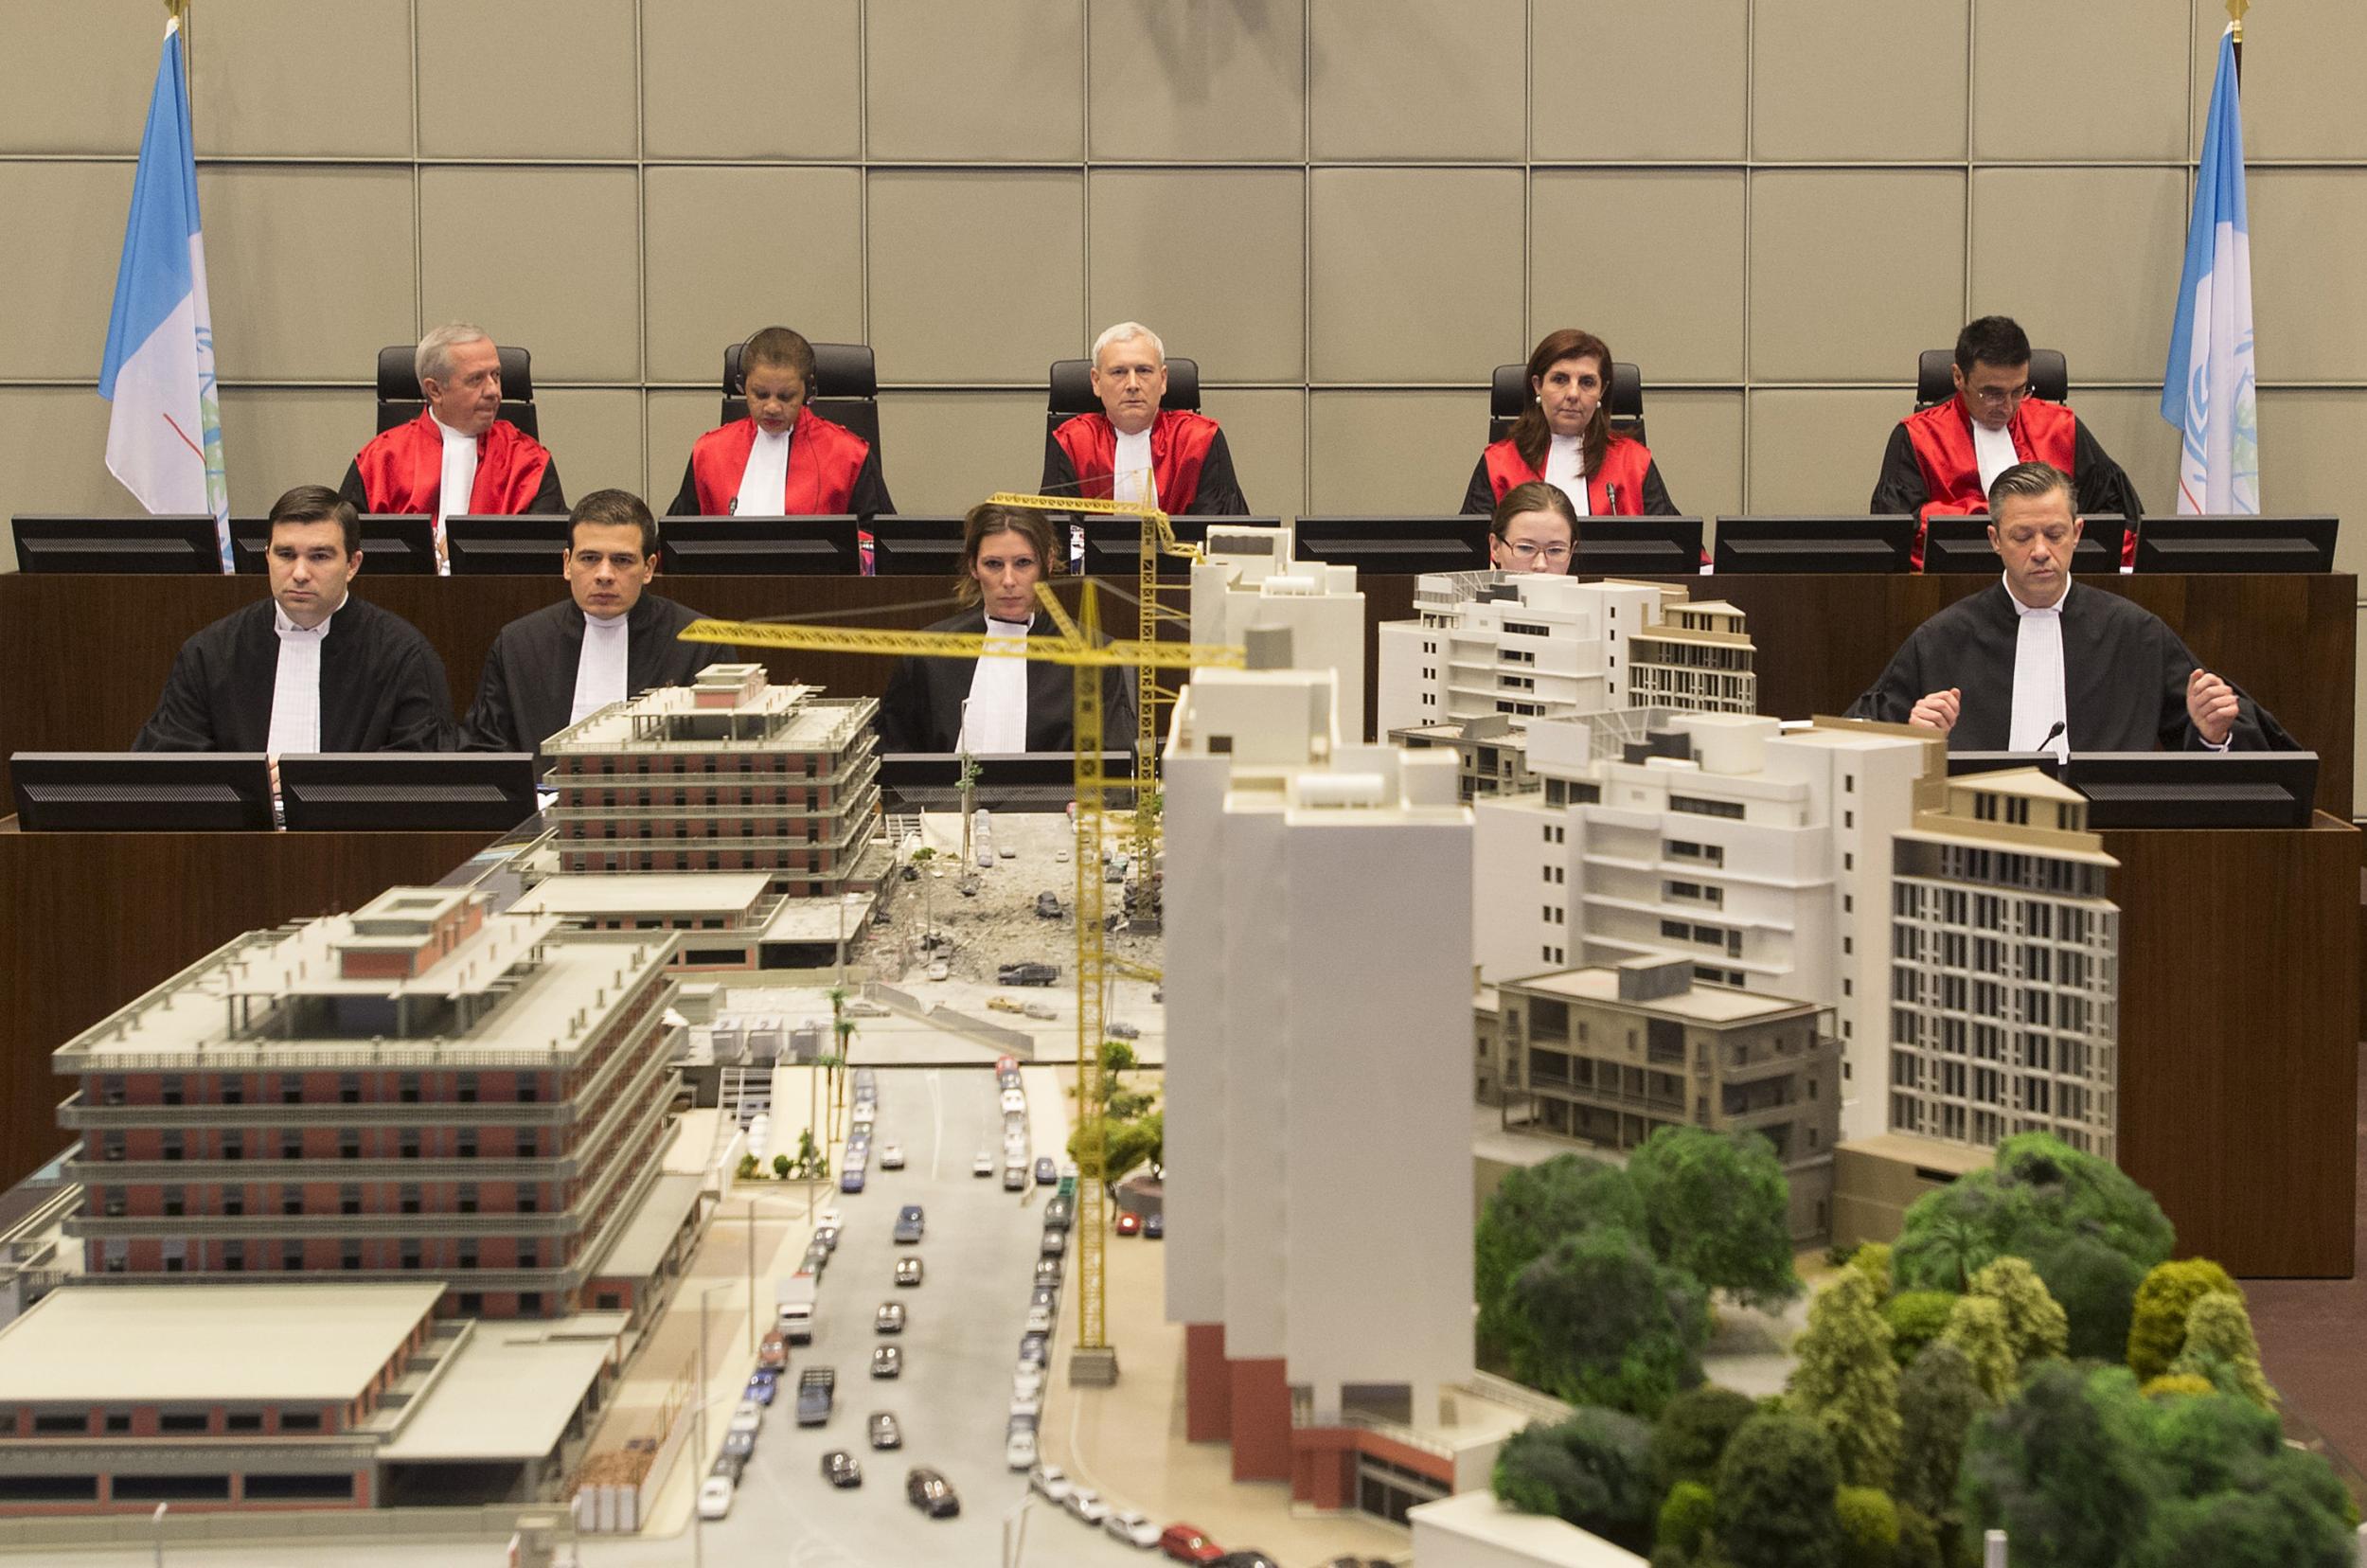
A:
{"points": [[382, 792], [1114, 546], [528, 545], [2195, 789], [141, 792], [1020, 781], [1833, 543], [1638, 546], [391, 542], [762, 546], [176, 543], [1396, 544], [2235, 544], [1962, 545], [916, 546]]}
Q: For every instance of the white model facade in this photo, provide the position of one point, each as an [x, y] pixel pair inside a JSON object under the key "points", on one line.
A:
{"points": [[1762, 857], [1251, 577], [1696, 656], [1318, 1040], [1522, 644], [2004, 969]]}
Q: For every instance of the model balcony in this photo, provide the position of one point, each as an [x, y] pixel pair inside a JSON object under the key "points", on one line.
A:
{"points": [[74, 1113], [545, 1281], [260, 1170], [290, 1227]]}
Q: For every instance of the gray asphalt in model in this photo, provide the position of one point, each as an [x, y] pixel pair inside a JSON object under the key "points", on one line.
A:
{"points": [[961, 1335]]}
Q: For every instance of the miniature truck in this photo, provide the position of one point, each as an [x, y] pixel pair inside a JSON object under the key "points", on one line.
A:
{"points": [[816, 1386], [795, 1308]]}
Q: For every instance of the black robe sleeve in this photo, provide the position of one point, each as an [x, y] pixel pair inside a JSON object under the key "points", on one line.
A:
{"points": [[1060, 474], [491, 725], [548, 498], [1219, 492], [869, 497], [1895, 692], [1479, 499], [1899, 487], [2101, 485], [687, 499], [183, 719], [905, 720], [1656, 502], [354, 492]]}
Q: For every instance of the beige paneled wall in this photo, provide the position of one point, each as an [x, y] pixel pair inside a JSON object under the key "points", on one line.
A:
{"points": [[1346, 210]]}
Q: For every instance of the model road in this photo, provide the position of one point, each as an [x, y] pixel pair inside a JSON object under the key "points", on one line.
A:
{"points": [[961, 1335]]}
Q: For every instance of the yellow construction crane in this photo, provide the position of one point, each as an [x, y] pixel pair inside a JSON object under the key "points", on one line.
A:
{"points": [[1080, 648]]}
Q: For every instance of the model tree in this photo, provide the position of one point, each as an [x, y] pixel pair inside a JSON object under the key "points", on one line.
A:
{"points": [[2235, 1494], [1916, 1318], [2038, 1193], [1976, 1327], [1593, 1469], [2220, 1347], [1718, 1208], [1775, 1495], [1530, 1212], [1938, 1398], [2057, 1472], [1601, 1321], [1691, 1435], [2035, 1326], [2097, 1287], [1843, 1379], [2157, 1331]]}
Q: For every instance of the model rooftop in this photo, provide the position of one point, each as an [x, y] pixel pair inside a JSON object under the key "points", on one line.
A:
{"points": [[654, 892], [202, 1344], [1702, 1004], [731, 711]]}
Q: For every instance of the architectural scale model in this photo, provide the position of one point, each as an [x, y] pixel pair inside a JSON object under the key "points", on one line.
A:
{"points": [[1317, 1092], [1251, 576]]}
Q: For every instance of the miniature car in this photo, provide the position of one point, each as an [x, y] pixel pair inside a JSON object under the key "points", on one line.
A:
{"points": [[850, 1179], [885, 1434], [890, 1318], [1047, 1271], [1133, 1528], [1026, 1402], [773, 1351], [939, 968], [891, 1156], [1055, 1242], [730, 1467], [1027, 1377], [887, 1362], [1154, 1226], [760, 1390], [863, 1007], [747, 1417], [1058, 1213], [1006, 853], [738, 1445], [908, 1270], [1051, 1481], [1248, 1557], [1086, 1504], [826, 1236], [1044, 1295], [1014, 1178], [1048, 906], [1018, 1448], [1004, 1003], [1038, 1318], [1033, 1347], [1046, 1174], [1188, 1543], [1130, 1224], [1026, 974], [983, 1164], [841, 1469], [829, 1216], [932, 1493], [909, 1222], [715, 1497], [1041, 1010], [1117, 1028]]}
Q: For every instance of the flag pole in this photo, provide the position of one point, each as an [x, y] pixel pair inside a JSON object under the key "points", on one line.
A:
{"points": [[178, 11], [2235, 9]]}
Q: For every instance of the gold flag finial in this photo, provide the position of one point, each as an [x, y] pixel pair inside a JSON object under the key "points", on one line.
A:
{"points": [[2235, 9]]}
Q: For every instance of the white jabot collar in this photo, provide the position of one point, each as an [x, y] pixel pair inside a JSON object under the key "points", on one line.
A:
{"points": [[2021, 609], [286, 628]]}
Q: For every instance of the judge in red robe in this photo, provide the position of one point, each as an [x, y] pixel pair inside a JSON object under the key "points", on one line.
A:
{"points": [[784, 459], [1943, 460], [1563, 439], [460, 441], [1181, 454]]}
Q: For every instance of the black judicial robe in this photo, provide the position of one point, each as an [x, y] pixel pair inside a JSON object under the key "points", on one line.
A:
{"points": [[1216, 493], [381, 687], [869, 497], [922, 710], [528, 686], [2124, 676], [2100, 487]]}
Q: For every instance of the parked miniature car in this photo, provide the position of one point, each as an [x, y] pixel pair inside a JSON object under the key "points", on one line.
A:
{"points": [[1046, 1174], [1004, 1003], [1055, 1243], [1251, 1557], [1042, 1011], [932, 1493], [738, 1445], [908, 1270], [826, 1236], [760, 1389], [773, 1351], [1086, 1504], [1027, 1403], [1130, 1224], [1133, 1528], [1188, 1543], [841, 1469], [1039, 1318], [1033, 1347], [890, 1318], [1028, 1376], [1051, 1481], [851, 1179], [1026, 974], [891, 1156], [715, 1497], [939, 968], [863, 1007], [887, 1362], [1117, 1028], [1060, 1212], [1014, 1178], [983, 1164], [885, 1434], [1044, 1295], [909, 1222], [1047, 1271], [1018, 1448], [747, 1417], [1048, 906], [1154, 1225], [1005, 1064], [730, 1467]]}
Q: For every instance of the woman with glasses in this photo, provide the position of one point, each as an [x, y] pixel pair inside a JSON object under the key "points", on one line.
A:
{"points": [[1563, 439], [1534, 529]]}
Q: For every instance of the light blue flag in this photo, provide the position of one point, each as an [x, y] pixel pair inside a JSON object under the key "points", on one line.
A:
{"points": [[164, 432], [2207, 387]]}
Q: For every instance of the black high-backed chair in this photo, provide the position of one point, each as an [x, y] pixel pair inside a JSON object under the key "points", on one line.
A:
{"points": [[1072, 389], [845, 389], [400, 400], [2050, 377], [1510, 393]]}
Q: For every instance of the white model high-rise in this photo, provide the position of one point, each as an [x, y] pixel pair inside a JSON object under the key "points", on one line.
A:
{"points": [[1318, 1043], [1251, 577], [1520, 644]]}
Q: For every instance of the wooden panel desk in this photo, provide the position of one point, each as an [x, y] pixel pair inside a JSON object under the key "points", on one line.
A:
{"points": [[90, 920]]}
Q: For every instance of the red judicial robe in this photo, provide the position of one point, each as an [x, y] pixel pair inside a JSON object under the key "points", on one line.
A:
{"points": [[1188, 455], [1617, 488], [402, 471], [1932, 469], [825, 462]]}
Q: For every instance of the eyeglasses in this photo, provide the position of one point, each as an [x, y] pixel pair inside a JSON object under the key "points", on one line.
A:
{"points": [[1524, 550], [1996, 397]]}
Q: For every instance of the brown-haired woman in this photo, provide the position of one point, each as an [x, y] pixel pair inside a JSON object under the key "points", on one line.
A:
{"points": [[1003, 703], [1563, 438]]}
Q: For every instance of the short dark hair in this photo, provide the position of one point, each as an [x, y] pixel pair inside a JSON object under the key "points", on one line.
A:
{"points": [[319, 504], [781, 349], [2029, 480], [1992, 340], [614, 508], [1536, 495], [983, 523]]}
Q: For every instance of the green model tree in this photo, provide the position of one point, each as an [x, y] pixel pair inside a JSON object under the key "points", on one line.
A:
{"points": [[2038, 1193], [1869, 1527], [1530, 1211], [1976, 1326], [1938, 1401], [1718, 1207], [2156, 1332], [1916, 1318], [1776, 1493], [1691, 1435], [2097, 1287], [1843, 1379], [2235, 1494], [1601, 1321], [1874, 1261], [2220, 1347], [2063, 1470], [2035, 1326], [1593, 1469]]}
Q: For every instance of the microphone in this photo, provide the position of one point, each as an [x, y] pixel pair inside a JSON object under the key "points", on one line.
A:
{"points": [[1611, 499], [2048, 739]]}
